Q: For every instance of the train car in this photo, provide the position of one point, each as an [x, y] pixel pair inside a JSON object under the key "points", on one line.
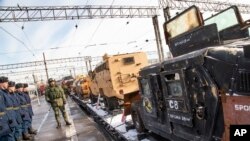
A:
{"points": [[67, 81], [94, 90], [205, 89], [81, 86], [116, 78]]}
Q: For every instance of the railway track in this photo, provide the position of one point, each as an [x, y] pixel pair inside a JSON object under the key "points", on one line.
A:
{"points": [[112, 124]]}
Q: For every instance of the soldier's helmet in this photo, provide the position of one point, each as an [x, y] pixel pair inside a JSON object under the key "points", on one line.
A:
{"points": [[51, 80]]}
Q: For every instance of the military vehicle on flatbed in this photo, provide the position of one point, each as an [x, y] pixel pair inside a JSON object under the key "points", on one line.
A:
{"points": [[116, 79], [203, 90]]}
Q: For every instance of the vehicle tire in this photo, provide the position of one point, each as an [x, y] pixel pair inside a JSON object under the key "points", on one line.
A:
{"points": [[111, 103], [136, 117], [93, 98]]}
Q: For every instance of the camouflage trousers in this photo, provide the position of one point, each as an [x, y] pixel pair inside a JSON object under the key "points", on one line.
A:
{"points": [[57, 115]]}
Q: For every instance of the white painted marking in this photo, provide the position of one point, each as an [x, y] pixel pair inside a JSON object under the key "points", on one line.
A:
{"points": [[70, 130], [44, 119]]}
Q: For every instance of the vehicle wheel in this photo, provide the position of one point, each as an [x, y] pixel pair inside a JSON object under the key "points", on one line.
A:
{"points": [[136, 118], [111, 103], [93, 98]]}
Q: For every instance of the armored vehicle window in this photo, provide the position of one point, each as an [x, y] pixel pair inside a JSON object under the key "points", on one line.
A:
{"points": [[175, 88], [224, 19], [175, 76], [145, 87], [128, 60], [184, 22], [101, 67], [173, 84]]}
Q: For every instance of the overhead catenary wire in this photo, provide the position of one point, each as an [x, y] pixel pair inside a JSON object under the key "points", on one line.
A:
{"points": [[99, 24], [80, 46], [77, 23], [27, 38], [18, 40]]}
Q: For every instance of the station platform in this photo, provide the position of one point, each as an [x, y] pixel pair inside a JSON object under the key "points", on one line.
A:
{"points": [[83, 128]]}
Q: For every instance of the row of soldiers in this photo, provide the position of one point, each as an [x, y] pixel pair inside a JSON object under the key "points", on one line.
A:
{"points": [[15, 111]]}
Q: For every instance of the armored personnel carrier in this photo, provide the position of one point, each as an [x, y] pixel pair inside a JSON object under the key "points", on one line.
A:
{"points": [[205, 87], [116, 79]]}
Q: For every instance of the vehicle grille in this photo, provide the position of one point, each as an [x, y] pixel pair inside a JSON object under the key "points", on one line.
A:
{"points": [[244, 81]]}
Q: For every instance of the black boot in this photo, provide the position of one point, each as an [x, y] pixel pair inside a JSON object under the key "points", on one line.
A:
{"points": [[19, 139], [27, 137], [32, 131], [58, 125], [68, 123]]}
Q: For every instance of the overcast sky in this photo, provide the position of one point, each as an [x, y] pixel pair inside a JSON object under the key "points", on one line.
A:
{"points": [[110, 36], [44, 36]]}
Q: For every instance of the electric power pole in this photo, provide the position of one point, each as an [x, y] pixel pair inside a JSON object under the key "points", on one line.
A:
{"points": [[46, 69]]}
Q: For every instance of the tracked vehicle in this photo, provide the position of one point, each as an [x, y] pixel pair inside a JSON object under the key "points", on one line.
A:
{"points": [[203, 90]]}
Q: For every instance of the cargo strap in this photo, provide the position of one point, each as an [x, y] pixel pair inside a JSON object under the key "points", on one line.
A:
{"points": [[9, 108], [2, 113]]}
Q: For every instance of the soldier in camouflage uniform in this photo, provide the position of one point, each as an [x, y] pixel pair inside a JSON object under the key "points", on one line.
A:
{"points": [[56, 97], [65, 89]]}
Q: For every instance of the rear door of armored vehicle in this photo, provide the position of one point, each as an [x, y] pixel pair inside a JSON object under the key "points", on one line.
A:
{"points": [[190, 96], [152, 109], [188, 91]]}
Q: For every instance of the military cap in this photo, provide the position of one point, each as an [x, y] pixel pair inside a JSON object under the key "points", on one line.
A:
{"points": [[51, 80], [25, 85], [3, 79], [19, 85], [12, 84]]}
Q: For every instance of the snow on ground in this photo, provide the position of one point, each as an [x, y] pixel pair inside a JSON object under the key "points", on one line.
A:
{"points": [[98, 110], [116, 121], [145, 140]]}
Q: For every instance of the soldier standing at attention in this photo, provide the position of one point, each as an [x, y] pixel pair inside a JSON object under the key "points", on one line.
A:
{"points": [[5, 130], [24, 112], [56, 97], [30, 110], [16, 107], [11, 113]]}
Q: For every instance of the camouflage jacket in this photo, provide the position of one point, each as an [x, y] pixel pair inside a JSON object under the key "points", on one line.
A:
{"points": [[55, 96]]}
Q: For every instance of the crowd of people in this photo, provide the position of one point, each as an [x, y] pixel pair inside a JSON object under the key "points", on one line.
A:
{"points": [[15, 111]]}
